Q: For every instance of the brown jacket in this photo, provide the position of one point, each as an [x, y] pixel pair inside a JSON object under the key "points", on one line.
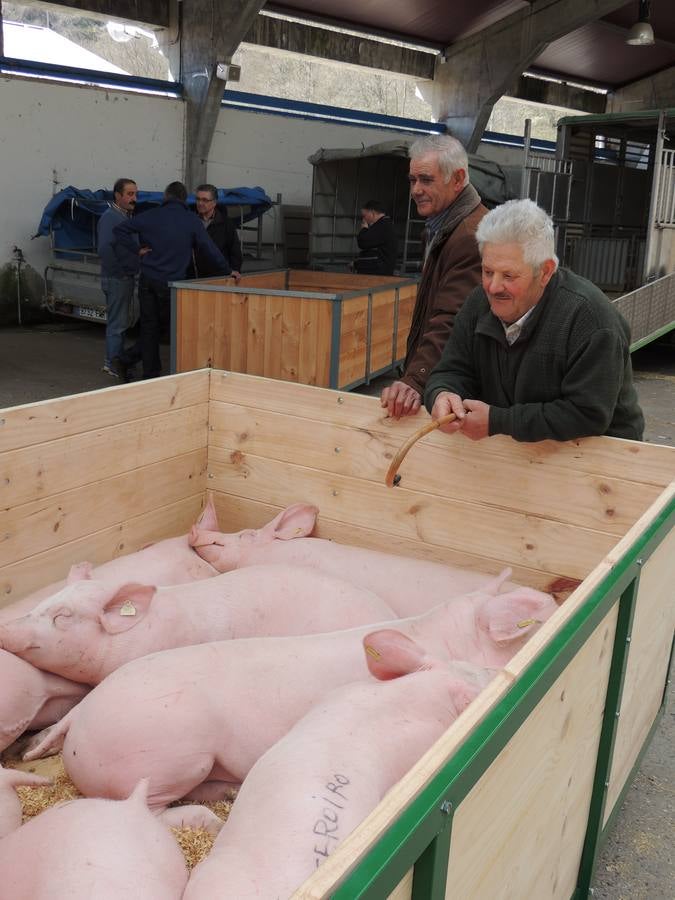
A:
{"points": [[452, 270]]}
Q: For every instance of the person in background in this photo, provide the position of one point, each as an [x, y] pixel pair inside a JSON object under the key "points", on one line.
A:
{"points": [[117, 280], [439, 185], [164, 238], [537, 352], [221, 229], [377, 241]]}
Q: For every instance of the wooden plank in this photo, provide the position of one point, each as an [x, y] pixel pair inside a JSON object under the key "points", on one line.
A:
{"points": [[471, 528], [531, 805], [605, 504], [609, 457], [307, 280], [382, 330], [34, 572], [407, 297], [35, 527], [237, 332], [273, 337], [353, 334], [194, 329], [315, 342], [647, 666], [255, 334], [60, 465], [48, 420], [290, 339], [236, 513]]}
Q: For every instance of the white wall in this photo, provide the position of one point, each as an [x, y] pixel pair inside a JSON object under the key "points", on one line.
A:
{"points": [[86, 137]]}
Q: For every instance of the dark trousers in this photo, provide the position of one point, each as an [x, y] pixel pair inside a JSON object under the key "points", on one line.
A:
{"points": [[155, 302]]}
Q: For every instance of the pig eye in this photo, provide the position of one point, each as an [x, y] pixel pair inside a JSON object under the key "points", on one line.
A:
{"points": [[60, 616]]}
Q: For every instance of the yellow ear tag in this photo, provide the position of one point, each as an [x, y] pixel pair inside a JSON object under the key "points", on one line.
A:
{"points": [[298, 530], [128, 609], [371, 651], [526, 622]]}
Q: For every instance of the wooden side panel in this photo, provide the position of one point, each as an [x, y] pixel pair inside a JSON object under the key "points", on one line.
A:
{"points": [[128, 534], [406, 305], [531, 806], [611, 458], [195, 316], [49, 420], [353, 333], [382, 330], [55, 466], [647, 667]]}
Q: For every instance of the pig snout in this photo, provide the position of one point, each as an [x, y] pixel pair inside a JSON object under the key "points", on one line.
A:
{"points": [[18, 636]]}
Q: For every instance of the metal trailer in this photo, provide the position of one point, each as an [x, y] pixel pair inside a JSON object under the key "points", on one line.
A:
{"points": [[345, 179], [610, 189], [73, 278]]}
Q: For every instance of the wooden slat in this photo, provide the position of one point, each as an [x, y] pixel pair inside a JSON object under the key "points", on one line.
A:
{"points": [[382, 330], [195, 315], [647, 666], [609, 457], [45, 469], [290, 340], [406, 305], [34, 572], [273, 336], [255, 333], [48, 420], [605, 504], [70, 515], [306, 280], [499, 534], [236, 513], [353, 333]]}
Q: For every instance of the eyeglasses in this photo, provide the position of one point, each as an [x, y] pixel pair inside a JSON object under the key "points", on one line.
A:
{"points": [[205, 200]]}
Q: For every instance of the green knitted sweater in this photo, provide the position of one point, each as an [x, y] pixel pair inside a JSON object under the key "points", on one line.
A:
{"points": [[567, 376]]}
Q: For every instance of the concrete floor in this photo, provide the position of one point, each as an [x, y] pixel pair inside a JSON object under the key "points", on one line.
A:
{"points": [[637, 861]]}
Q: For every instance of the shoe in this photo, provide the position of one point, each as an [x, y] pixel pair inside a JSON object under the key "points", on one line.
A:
{"points": [[109, 370], [120, 369]]}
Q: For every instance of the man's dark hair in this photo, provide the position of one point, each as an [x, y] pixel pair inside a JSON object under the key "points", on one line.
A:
{"points": [[121, 183], [176, 191], [208, 187], [375, 205]]}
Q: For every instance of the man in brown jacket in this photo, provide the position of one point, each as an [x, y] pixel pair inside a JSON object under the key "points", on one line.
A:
{"points": [[439, 185]]}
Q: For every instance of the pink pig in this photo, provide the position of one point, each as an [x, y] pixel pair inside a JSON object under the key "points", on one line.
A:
{"points": [[197, 718], [87, 630], [410, 586], [87, 849], [355, 743], [10, 806], [172, 561], [30, 698]]}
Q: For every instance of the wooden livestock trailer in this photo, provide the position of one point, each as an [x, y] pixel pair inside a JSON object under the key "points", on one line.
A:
{"points": [[330, 329], [512, 801]]}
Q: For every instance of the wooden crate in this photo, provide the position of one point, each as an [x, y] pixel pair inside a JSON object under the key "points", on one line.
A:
{"points": [[512, 800], [329, 329]]}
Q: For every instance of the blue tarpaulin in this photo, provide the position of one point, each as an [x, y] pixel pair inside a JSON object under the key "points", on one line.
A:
{"points": [[71, 215]]}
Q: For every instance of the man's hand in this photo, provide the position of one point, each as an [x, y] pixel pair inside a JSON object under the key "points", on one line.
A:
{"points": [[446, 403], [401, 400], [143, 250], [477, 420], [236, 276]]}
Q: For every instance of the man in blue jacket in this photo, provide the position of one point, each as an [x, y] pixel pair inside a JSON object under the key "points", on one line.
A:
{"points": [[165, 239]]}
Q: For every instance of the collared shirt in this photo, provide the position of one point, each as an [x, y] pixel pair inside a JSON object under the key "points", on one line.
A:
{"points": [[513, 330]]}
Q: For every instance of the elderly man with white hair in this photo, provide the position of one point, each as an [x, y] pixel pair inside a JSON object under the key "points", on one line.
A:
{"points": [[439, 185], [536, 352]]}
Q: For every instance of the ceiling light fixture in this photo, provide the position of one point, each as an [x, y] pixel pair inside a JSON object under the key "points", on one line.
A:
{"points": [[642, 33]]}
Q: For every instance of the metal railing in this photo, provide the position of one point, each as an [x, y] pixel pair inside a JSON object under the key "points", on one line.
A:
{"points": [[649, 310]]}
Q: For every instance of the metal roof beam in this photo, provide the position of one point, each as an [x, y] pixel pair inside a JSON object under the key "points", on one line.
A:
{"points": [[474, 73]]}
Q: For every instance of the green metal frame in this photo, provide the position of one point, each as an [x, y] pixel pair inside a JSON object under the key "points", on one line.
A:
{"points": [[421, 836]]}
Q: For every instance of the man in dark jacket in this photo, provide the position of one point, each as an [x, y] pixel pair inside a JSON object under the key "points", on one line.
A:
{"points": [[164, 238], [376, 240], [439, 185], [221, 229], [536, 352]]}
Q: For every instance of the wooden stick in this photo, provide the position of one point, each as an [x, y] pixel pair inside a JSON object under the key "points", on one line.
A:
{"points": [[391, 478]]}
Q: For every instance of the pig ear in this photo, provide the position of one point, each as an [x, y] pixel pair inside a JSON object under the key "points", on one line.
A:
{"points": [[79, 572], [390, 654], [515, 615], [126, 609], [208, 521], [295, 521]]}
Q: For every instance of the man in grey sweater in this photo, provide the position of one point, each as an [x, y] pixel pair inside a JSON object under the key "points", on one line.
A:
{"points": [[537, 352]]}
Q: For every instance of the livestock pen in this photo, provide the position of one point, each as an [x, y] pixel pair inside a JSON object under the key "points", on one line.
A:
{"points": [[513, 800]]}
